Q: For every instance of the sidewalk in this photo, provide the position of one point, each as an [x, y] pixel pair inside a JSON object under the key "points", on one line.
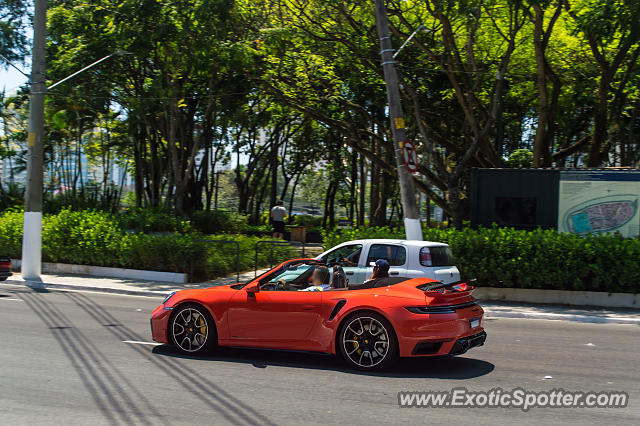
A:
{"points": [[123, 285], [493, 309]]}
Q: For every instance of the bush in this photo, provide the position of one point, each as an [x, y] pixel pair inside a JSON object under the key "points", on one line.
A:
{"points": [[97, 238], [545, 259], [86, 200], [11, 196], [219, 222], [11, 234], [81, 237], [307, 220], [207, 222], [520, 158], [151, 220]]}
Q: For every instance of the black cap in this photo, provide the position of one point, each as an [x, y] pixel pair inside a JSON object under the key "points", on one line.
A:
{"points": [[382, 265]]}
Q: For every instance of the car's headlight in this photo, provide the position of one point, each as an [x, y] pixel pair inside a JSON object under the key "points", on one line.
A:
{"points": [[166, 299]]}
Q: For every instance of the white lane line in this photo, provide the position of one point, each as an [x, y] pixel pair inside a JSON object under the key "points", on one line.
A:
{"points": [[135, 342], [11, 298]]}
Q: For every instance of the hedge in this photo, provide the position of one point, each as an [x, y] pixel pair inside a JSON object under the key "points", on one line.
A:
{"points": [[97, 238], [158, 220], [543, 259]]}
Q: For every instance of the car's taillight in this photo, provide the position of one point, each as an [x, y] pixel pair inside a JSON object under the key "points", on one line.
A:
{"points": [[5, 264]]}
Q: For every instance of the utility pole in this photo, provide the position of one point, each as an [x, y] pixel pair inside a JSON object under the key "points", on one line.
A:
{"points": [[412, 226], [32, 238]]}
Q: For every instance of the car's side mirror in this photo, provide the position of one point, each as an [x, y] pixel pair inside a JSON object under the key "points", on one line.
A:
{"points": [[252, 288]]}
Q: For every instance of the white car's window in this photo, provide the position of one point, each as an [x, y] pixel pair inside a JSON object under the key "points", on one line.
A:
{"points": [[436, 256], [395, 255], [345, 255]]}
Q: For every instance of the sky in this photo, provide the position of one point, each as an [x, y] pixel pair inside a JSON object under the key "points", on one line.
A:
{"points": [[11, 80]]}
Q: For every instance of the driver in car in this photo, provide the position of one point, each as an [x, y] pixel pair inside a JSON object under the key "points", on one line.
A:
{"points": [[320, 279]]}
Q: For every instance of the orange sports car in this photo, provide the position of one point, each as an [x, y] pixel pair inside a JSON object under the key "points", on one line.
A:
{"points": [[306, 305]]}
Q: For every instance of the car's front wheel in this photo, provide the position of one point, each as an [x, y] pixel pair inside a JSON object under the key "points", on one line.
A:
{"points": [[367, 341], [192, 329]]}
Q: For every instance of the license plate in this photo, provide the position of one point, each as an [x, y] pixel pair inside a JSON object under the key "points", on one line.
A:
{"points": [[474, 322]]}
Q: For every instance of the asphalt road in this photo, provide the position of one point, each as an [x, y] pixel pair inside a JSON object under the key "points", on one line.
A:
{"points": [[63, 360]]}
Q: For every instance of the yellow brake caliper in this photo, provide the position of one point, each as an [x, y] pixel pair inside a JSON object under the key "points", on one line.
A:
{"points": [[203, 327]]}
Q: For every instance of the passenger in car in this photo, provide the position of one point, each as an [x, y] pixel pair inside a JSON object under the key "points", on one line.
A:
{"points": [[380, 270], [320, 279]]}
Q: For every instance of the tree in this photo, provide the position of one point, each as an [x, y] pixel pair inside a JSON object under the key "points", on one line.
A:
{"points": [[13, 20], [612, 31]]}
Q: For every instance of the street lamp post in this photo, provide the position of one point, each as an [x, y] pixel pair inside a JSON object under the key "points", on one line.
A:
{"points": [[413, 230]]}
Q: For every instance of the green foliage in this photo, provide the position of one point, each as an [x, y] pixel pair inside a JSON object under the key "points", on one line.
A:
{"points": [[520, 158], [87, 199], [13, 40], [97, 238], [219, 222], [207, 222], [11, 195], [259, 228], [81, 237], [151, 220], [11, 234], [307, 220], [544, 259]]}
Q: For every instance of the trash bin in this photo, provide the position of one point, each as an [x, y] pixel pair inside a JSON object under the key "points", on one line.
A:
{"points": [[298, 233]]}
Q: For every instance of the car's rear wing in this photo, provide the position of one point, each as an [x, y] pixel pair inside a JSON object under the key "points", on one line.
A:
{"points": [[435, 290]]}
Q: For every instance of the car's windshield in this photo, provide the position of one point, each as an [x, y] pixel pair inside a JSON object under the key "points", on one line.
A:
{"points": [[289, 273]]}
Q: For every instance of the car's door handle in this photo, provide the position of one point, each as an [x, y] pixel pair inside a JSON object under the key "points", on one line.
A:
{"points": [[349, 273], [393, 273], [308, 307]]}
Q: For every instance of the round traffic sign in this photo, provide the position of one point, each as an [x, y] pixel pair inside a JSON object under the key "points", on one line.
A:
{"points": [[410, 157]]}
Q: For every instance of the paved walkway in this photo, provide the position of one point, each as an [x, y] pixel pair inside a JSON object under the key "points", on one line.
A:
{"points": [[124, 285], [492, 309]]}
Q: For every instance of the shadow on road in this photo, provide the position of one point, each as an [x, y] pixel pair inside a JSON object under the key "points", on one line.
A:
{"points": [[451, 368], [113, 392], [229, 407]]}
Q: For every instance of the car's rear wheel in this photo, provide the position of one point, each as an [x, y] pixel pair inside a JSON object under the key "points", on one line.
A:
{"points": [[192, 330], [367, 341]]}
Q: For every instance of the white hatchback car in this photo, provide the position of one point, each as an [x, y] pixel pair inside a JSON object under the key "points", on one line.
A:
{"points": [[407, 258]]}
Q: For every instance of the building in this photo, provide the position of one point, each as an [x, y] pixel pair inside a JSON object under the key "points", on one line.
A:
{"points": [[578, 201]]}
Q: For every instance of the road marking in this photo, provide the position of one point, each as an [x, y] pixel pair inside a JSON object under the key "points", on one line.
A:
{"points": [[11, 298], [135, 342]]}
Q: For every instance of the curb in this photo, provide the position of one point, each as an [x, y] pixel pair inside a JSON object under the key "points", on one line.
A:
{"points": [[592, 319], [111, 290], [109, 272], [599, 299]]}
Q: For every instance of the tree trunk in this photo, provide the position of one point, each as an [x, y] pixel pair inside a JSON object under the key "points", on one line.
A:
{"points": [[274, 172], [596, 154]]}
